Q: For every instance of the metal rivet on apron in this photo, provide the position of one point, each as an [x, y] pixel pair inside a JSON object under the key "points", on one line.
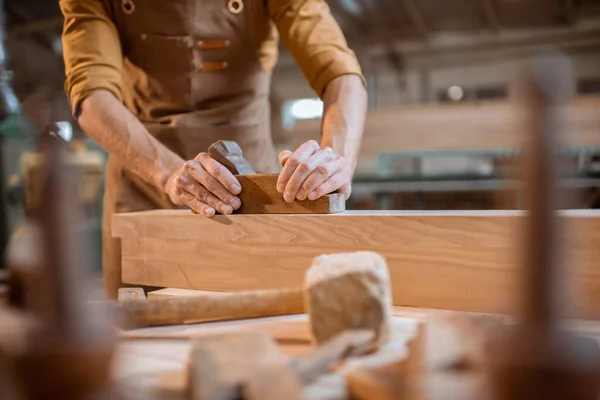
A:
{"points": [[144, 36], [235, 6], [128, 6]]}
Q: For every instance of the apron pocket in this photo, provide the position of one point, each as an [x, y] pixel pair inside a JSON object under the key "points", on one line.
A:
{"points": [[166, 64]]}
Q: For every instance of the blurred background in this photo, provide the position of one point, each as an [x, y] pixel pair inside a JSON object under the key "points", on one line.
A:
{"points": [[442, 132]]}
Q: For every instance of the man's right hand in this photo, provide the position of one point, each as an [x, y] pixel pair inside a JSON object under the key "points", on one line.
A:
{"points": [[204, 185]]}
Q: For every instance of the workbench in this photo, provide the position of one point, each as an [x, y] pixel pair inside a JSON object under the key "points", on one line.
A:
{"points": [[151, 363]]}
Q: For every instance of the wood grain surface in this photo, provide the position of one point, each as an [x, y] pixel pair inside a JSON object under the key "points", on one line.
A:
{"points": [[453, 260], [167, 293], [208, 307], [260, 196]]}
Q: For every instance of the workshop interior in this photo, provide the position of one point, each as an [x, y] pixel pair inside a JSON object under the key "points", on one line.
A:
{"points": [[465, 264], [440, 78]]}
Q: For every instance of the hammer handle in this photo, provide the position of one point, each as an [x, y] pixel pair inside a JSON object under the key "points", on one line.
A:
{"points": [[222, 306]]}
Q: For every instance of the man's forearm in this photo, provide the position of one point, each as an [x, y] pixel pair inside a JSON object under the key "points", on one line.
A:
{"points": [[344, 114], [120, 133]]}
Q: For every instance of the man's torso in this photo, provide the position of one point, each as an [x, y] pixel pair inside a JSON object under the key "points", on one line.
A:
{"points": [[197, 56], [195, 72]]}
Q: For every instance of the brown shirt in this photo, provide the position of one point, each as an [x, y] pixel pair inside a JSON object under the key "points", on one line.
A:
{"points": [[94, 58]]}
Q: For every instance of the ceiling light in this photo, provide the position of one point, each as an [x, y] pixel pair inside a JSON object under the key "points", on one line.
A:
{"points": [[455, 93]]}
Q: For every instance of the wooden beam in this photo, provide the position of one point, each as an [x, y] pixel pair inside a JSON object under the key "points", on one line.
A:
{"points": [[454, 260], [485, 125]]}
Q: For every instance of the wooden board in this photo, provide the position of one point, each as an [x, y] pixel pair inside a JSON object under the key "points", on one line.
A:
{"points": [[454, 260], [260, 196], [292, 329], [174, 292]]}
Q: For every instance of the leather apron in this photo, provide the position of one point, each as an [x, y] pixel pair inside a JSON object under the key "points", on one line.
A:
{"points": [[192, 74]]}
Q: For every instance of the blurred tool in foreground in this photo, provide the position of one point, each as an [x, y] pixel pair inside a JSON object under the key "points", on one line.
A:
{"points": [[65, 351]]}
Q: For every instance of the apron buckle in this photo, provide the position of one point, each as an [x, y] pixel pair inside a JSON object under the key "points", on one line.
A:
{"points": [[235, 6]]}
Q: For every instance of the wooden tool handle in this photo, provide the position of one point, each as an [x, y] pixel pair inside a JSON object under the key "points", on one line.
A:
{"points": [[349, 343], [229, 153], [237, 305]]}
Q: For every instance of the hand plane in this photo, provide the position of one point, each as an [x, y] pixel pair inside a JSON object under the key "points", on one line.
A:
{"points": [[259, 191]]}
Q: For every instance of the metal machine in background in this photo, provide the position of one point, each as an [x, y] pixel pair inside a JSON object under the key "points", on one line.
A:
{"points": [[21, 173], [25, 178], [463, 179], [9, 106]]}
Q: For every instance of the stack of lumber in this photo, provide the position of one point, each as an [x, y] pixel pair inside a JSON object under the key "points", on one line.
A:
{"points": [[485, 125]]}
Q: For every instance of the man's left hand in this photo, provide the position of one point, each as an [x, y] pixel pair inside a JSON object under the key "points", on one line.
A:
{"points": [[311, 172]]}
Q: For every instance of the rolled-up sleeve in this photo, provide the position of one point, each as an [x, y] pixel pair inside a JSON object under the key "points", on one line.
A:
{"points": [[91, 50], [315, 40]]}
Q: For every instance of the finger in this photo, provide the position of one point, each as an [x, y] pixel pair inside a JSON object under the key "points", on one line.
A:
{"points": [[330, 185], [197, 171], [346, 190], [196, 206], [283, 156], [319, 176], [303, 171], [303, 152], [207, 197], [220, 173], [189, 185]]}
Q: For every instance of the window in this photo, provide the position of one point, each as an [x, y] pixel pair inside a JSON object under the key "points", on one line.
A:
{"points": [[306, 108], [293, 110]]}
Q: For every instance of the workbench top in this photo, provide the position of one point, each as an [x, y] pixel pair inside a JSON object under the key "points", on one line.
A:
{"points": [[151, 363]]}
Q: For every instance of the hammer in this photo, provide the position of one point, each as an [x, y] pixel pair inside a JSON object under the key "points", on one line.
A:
{"points": [[341, 291]]}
